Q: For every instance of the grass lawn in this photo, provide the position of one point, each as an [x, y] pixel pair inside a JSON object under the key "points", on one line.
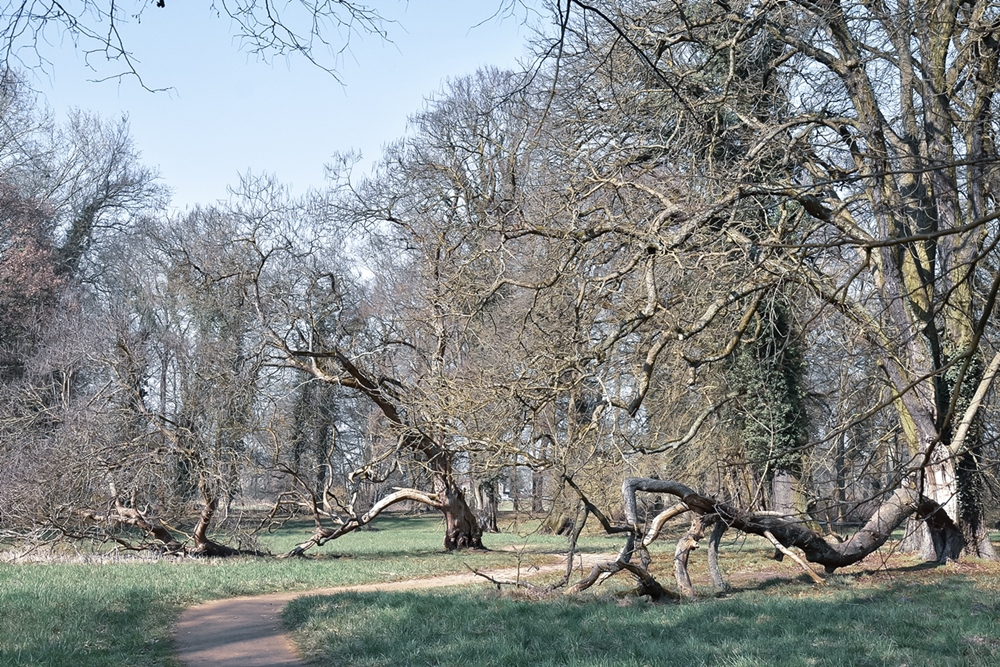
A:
{"points": [[888, 610], [879, 613], [950, 622], [120, 613]]}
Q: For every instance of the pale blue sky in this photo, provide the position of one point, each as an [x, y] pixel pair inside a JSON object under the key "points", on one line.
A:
{"points": [[228, 112]]}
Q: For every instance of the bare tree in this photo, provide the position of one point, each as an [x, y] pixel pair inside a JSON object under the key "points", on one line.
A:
{"points": [[111, 385], [322, 323], [828, 147]]}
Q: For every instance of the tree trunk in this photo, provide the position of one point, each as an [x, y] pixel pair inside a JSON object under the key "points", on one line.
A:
{"points": [[151, 526], [462, 530], [972, 487], [784, 493], [537, 492], [840, 491], [940, 484], [714, 571], [203, 546], [515, 488], [966, 446], [486, 506], [561, 518], [685, 546]]}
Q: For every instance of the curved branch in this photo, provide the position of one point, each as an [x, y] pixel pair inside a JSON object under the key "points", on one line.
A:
{"points": [[695, 427], [322, 535], [790, 532], [791, 554], [658, 522]]}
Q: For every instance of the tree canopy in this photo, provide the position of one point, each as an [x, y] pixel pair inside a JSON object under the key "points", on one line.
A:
{"points": [[744, 255]]}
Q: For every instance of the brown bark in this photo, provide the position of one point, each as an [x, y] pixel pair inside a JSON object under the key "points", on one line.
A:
{"points": [[647, 585], [459, 519], [154, 528], [685, 546], [203, 546], [904, 502], [462, 528], [151, 526], [931, 215], [781, 530]]}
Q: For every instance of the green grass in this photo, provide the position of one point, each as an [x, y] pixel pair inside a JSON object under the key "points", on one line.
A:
{"points": [[425, 534], [888, 610], [878, 613], [89, 615], [950, 621]]}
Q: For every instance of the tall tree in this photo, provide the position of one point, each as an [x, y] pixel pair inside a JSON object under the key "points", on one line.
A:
{"points": [[769, 374], [885, 130]]}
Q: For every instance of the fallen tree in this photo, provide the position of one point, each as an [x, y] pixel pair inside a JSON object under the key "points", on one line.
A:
{"points": [[783, 531], [156, 535]]}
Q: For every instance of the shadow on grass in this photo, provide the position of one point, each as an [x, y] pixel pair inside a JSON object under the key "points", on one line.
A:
{"points": [[918, 567], [778, 581], [900, 624]]}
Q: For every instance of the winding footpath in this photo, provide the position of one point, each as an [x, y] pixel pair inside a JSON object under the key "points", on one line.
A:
{"points": [[247, 631]]}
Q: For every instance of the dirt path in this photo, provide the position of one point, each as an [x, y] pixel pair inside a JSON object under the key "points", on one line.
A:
{"points": [[247, 631]]}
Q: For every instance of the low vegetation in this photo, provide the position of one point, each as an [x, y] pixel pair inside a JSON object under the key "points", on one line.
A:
{"points": [[100, 610], [890, 609], [944, 618], [93, 609]]}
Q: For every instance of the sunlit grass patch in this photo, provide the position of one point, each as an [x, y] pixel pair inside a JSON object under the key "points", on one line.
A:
{"points": [[424, 534]]}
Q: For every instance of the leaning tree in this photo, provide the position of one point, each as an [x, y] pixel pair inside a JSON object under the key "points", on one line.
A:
{"points": [[842, 155], [844, 150], [389, 339]]}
